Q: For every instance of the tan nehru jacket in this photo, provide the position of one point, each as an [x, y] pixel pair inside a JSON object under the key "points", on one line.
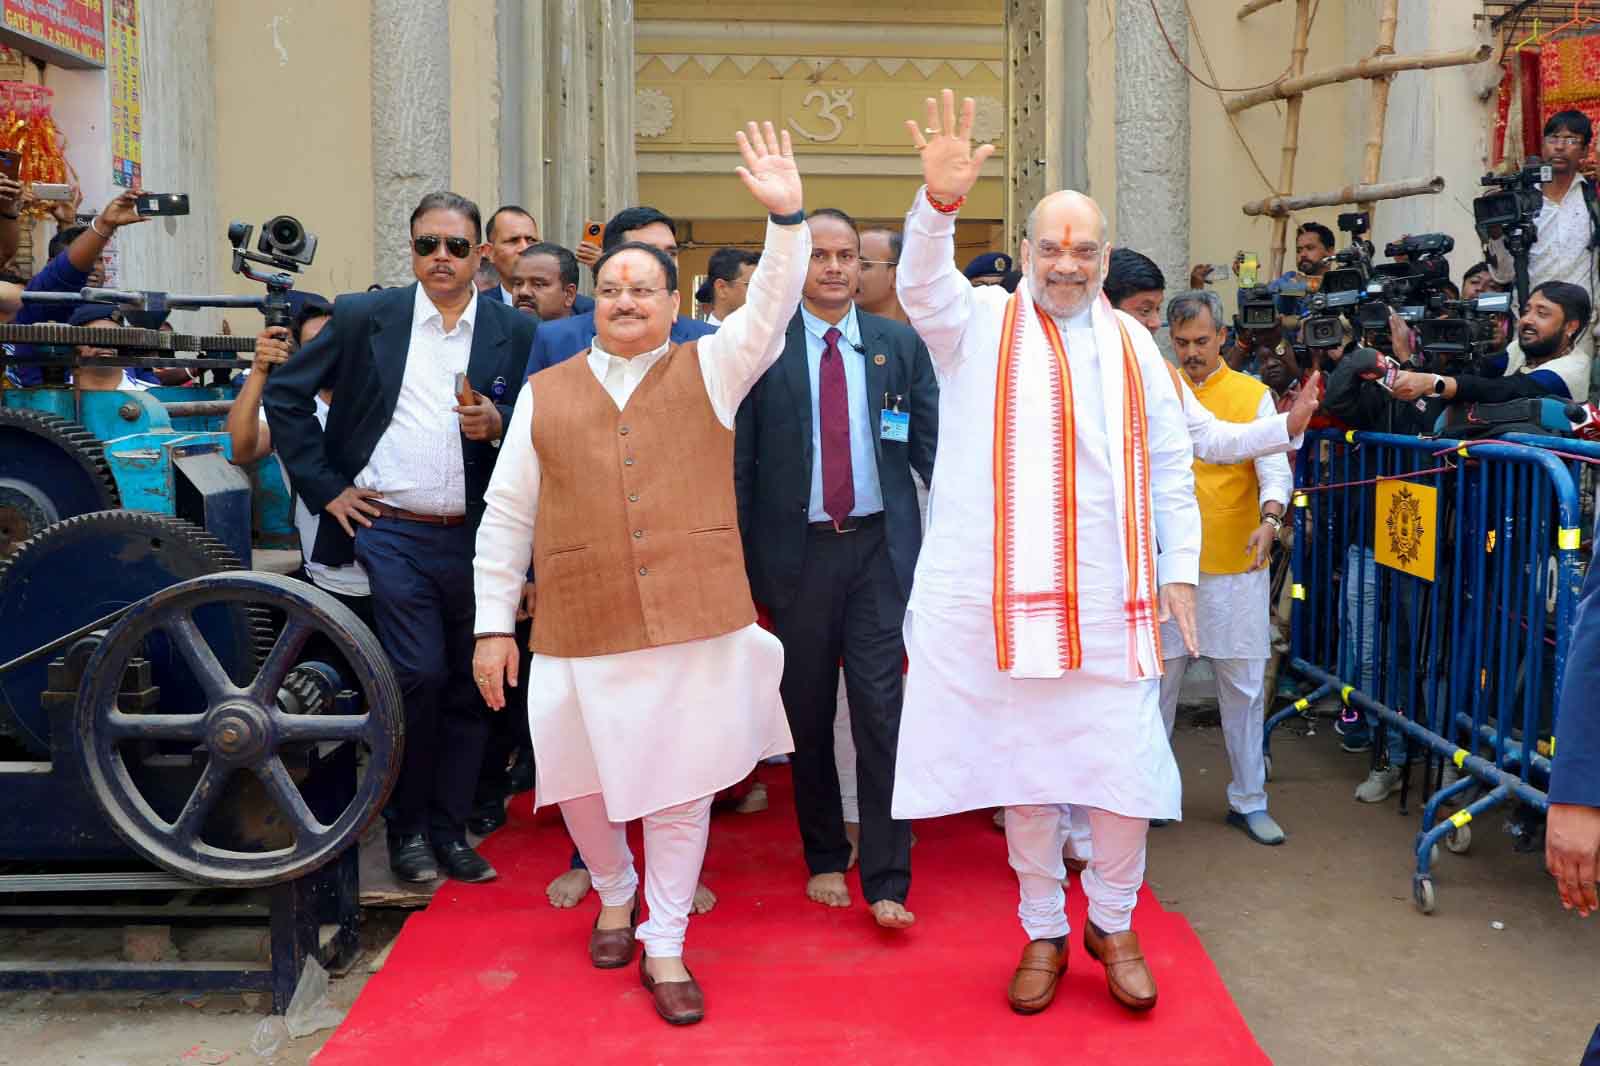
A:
{"points": [[636, 543]]}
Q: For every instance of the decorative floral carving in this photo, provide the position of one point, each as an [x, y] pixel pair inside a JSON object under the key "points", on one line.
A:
{"points": [[652, 112], [989, 123]]}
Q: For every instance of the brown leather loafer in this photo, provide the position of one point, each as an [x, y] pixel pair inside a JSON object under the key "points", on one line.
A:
{"points": [[1127, 976], [678, 1002], [612, 949], [1033, 986]]}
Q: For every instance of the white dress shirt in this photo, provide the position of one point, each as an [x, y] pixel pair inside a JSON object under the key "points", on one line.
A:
{"points": [[417, 463]]}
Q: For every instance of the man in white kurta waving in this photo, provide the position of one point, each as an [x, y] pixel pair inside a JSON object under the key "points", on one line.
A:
{"points": [[651, 686], [1063, 527]]}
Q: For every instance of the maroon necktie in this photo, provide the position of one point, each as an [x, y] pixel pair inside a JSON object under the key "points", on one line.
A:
{"points": [[833, 412]]}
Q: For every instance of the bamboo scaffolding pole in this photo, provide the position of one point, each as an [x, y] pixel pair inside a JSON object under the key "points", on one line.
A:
{"points": [[1250, 7], [1291, 132], [1372, 161], [1374, 66], [1362, 193]]}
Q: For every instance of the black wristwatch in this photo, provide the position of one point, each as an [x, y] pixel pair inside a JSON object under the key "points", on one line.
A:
{"points": [[1438, 385], [791, 219]]}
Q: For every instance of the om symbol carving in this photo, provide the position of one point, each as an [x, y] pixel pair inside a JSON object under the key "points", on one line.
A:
{"points": [[829, 104]]}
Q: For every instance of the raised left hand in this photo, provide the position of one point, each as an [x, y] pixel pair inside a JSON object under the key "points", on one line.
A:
{"points": [[769, 171], [1177, 601], [1572, 855], [480, 420], [121, 211]]}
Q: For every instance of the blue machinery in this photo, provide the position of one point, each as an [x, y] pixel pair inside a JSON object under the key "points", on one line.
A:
{"points": [[170, 722], [1467, 664]]}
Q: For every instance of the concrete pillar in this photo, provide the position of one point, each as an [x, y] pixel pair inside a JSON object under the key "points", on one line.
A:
{"points": [[186, 253], [585, 95], [410, 123], [1152, 137]]}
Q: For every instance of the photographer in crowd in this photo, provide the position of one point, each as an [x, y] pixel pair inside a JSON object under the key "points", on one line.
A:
{"points": [[1568, 222]]}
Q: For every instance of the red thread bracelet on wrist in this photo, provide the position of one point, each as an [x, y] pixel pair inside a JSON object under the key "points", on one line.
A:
{"points": [[940, 206]]}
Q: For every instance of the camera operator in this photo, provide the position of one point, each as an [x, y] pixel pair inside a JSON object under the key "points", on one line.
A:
{"points": [[1568, 222], [1546, 359]]}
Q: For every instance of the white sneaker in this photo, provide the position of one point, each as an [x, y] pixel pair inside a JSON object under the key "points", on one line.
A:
{"points": [[1379, 785]]}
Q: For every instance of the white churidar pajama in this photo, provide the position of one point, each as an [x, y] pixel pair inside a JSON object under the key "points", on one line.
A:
{"points": [[971, 735], [652, 733]]}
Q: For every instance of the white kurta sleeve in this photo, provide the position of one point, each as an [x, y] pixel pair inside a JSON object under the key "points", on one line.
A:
{"points": [[1272, 471], [1226, 443], [937, 297], [505, 538], [1172, 499], [750, 340]]}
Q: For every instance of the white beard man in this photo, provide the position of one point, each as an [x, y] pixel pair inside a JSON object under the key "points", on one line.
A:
{"points": [[1062, 496]]}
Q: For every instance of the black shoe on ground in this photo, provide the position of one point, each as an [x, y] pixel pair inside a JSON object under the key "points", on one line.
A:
{"points": [[411, 858], [487, 817], [461, 863], [519, 778]]}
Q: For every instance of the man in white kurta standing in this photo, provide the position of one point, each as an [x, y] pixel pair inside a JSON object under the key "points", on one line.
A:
{"points": [[1062, 497], [651, 687], [1241, 512]]}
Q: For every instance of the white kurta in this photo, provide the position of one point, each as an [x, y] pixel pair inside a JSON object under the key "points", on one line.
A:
{"points": [[970, 735], [1231, 611], [652, 728]]}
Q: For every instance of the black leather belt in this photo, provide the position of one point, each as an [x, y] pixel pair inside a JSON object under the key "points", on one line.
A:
{"points": [[848, 525]]}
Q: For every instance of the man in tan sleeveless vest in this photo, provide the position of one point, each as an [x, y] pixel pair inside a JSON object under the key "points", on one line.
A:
{"points": [[651, 687]]}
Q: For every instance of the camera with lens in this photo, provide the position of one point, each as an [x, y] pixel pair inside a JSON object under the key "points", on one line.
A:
{"points": [[1461, 340], [1509, 213], [1258, 309], [284, 243], [1323, 325]]}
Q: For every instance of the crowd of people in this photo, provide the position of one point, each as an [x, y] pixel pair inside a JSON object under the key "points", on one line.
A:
{"points": [[944, 540]]}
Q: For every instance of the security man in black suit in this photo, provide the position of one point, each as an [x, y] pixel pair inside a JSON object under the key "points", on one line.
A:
{"points": [[826, 444], [402, 468]]}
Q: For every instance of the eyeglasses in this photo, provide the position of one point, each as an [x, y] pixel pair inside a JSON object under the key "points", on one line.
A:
{"points": [[638, 292], [878, 262], [459, 247], [1564, 138]]}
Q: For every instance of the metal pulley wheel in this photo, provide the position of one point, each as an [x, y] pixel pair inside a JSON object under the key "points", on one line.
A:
{"points": [[244, 725], [50, 469]]}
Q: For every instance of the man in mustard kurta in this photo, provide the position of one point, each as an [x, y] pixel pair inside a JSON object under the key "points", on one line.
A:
{"points": [[1241, 511]]}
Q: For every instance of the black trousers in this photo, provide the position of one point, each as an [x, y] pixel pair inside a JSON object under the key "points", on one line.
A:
{"points": [[847, 606], [422, 601]]}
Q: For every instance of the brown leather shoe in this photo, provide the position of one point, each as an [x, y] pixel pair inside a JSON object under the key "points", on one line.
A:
{"points": [[1033, 986], [679, 1002], [1127, 976], [612, 949]]}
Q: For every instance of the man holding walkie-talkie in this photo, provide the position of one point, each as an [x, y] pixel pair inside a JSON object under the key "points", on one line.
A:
{"points": [[1567, 247]]}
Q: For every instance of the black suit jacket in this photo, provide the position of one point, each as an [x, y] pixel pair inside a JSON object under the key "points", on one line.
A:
{"points": [[361, 356], [772, 454]]}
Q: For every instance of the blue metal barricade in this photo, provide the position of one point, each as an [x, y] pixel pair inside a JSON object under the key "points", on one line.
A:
{"points": [[1433, 585]]}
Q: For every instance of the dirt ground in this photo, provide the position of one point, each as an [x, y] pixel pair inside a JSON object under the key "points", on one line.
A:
{"points": [[1318, 941]]}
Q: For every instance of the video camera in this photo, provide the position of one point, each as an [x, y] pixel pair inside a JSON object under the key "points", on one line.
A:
{"points": [[285, 244], [1465, 337], [1509, 213], [1258, 309]]}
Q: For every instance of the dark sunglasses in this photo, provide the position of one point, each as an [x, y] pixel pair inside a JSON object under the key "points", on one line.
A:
{"points": [[459, 247]]}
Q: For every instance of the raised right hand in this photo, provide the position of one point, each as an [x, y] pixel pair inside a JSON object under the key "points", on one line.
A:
{"points": [[1305, 404], [950, 165], [272, 349], [494, 666], [354, 505]]}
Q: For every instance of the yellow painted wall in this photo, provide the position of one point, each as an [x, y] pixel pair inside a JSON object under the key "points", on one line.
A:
{"points": [[294, 130]]}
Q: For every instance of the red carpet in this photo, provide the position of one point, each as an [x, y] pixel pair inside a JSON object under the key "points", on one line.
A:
{"points": [[493, 973]]}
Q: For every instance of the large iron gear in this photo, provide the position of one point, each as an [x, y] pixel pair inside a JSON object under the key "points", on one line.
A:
{"points": [[50, 469], [84, 568]]}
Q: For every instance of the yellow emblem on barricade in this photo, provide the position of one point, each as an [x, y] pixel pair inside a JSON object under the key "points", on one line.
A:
{"points": [[1406, 527]]}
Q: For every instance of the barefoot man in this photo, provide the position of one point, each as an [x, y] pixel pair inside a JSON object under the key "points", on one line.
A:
{"points": [[1062, 498], [651, 687]]}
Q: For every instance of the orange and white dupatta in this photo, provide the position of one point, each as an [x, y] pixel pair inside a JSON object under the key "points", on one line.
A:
{"points": [[1036, 548]]}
